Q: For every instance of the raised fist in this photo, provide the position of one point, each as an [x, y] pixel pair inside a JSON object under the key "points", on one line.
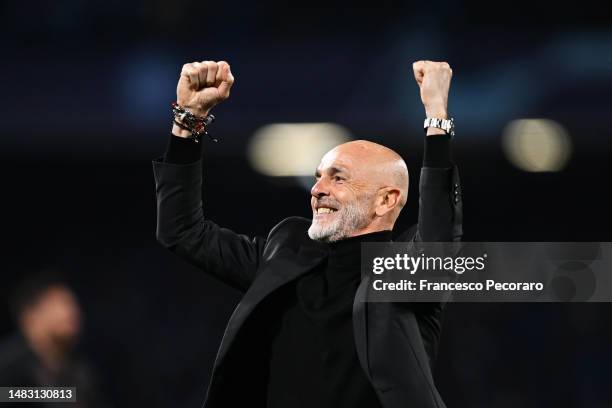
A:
{"points": [[434, 80], [202, 85]]}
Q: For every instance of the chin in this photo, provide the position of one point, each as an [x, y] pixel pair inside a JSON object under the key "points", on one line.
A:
{"points": [[324, 233]]}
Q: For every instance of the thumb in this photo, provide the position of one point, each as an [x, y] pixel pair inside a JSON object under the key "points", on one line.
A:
{"points": [[419, 71], [226, 79]]}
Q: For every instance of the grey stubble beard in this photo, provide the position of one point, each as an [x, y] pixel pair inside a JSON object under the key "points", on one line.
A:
{"points": [[350, 218]]}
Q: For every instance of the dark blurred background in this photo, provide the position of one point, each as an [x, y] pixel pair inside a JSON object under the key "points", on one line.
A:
{"points": [[85, 107]]}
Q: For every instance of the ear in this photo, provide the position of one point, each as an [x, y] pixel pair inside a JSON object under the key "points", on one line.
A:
{"points": [[388, 199]]}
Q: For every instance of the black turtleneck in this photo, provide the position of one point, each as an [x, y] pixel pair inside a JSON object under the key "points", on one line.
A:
{"points": [[313, 360]]}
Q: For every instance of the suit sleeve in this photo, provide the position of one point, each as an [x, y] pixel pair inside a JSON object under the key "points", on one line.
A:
{"points": [[440, 205], [182, 228]]}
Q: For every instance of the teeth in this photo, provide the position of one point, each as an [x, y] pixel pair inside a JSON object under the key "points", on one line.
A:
{"points": [[324, 210]]}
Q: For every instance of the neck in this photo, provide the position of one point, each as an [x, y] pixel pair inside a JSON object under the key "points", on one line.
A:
{"points": [[347, 251], [372, 236], [377, 225]]}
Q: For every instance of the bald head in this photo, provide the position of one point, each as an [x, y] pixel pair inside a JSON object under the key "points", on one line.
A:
{"points": [[378, 164], [361, 187]]}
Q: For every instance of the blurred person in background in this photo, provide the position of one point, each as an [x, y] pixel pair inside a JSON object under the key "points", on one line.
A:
{"points": [[44, 351]]}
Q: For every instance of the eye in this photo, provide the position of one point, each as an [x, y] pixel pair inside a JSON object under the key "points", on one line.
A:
{"points": [[338, 178]]}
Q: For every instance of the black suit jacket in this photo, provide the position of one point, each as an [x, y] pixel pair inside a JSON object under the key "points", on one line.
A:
{"points": [[395, 342]]}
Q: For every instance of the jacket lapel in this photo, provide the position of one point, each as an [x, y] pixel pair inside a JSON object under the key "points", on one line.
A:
{"points": [[360, 325], [286, 266]]}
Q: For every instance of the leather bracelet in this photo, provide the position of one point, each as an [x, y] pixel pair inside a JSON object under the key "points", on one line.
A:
{"points": [[197, 125], [192, 136]]}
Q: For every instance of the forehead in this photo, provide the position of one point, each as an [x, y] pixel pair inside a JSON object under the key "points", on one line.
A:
{"points": [[337, 159]]}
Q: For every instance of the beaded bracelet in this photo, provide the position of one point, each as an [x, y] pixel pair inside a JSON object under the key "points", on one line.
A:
{"points": [[197, 125]]}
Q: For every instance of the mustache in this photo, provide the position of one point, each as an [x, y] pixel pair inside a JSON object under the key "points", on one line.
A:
{"points": [[326, 202]]}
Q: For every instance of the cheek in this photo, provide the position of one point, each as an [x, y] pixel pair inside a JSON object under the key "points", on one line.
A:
{"points": [[366, 202], [341, 196], [347, 195]]}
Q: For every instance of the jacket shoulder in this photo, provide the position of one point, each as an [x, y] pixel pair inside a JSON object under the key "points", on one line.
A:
{"points": [[290, 226], [291, 232]]}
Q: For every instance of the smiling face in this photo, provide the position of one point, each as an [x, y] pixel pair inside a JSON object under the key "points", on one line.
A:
{"points": [[360, 188], [341, 203]]}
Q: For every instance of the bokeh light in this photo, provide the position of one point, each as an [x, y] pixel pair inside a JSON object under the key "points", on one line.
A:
{"points": [[537, 145], [293, 149]]}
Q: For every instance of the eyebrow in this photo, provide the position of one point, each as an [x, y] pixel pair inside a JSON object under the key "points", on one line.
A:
{"points": [[332, 170]]}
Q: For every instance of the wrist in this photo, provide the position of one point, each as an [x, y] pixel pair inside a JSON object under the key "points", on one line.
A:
{"points": [[177, 131], [186, 124], [432, 131], [439, 112], [436, 108], [436, 112], [439, 126], [198, 111]]}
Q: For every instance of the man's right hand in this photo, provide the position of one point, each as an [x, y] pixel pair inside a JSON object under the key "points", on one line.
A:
{"points": [[201, 86]]}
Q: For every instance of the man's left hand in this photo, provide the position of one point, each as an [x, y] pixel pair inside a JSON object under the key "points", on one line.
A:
{"points": [[434, 80]]}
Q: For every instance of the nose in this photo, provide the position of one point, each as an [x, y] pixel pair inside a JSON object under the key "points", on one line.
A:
{"points": [[320, 188]]}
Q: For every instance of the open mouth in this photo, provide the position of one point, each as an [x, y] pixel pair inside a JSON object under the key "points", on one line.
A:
{"points": [[325, 210]]}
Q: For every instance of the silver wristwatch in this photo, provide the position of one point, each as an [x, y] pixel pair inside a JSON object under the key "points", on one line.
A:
{"points": [[447, 125]]}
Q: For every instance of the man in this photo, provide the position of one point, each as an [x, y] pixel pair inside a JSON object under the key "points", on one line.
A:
{"points": [[301, 337], [44, 353]]}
